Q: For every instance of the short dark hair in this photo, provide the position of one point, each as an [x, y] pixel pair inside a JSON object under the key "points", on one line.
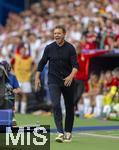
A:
{"points": [[31, 34], [60, 27]]}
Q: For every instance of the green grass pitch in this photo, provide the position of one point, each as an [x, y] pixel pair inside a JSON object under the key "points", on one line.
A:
{"points": [[83, 140]]}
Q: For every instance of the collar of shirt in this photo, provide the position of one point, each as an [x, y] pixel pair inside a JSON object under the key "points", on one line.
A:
{"points": [[60, 45]]}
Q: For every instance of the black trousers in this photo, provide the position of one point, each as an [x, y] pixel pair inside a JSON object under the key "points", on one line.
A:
{"points": [[68, 94]]}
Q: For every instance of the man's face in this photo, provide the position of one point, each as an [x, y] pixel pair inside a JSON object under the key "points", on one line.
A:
{"points": [[23, 51], [59, 35], [32, 38]]}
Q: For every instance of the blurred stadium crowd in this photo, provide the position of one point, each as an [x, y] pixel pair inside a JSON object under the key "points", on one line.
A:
{"points": [[91, 26]]}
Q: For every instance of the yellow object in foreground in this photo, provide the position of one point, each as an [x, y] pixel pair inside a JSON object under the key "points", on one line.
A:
{"points": [[108, 97]]}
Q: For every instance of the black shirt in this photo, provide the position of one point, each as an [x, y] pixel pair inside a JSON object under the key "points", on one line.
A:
{"points": [[62, 59]]}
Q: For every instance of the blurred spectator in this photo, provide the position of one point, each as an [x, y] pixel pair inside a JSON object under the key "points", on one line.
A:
{"points": [[90, 43], [34, 45], [89, 97], [110, 84], [24, 67], [92, 25]]}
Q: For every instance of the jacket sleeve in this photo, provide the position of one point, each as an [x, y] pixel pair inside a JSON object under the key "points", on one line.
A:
{"points": [[96, 53], [43, 60], [73, 58]]}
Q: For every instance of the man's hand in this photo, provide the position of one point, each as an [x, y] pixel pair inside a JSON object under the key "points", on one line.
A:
{"points": [[37, 81], [68, 80], [17, 91]]}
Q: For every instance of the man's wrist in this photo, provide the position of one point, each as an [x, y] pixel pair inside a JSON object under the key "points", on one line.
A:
{"points": [[37, 75], [72, 75]]}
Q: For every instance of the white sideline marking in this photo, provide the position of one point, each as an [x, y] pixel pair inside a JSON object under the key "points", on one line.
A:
{"points": [[100, 136], [77, 136]]}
